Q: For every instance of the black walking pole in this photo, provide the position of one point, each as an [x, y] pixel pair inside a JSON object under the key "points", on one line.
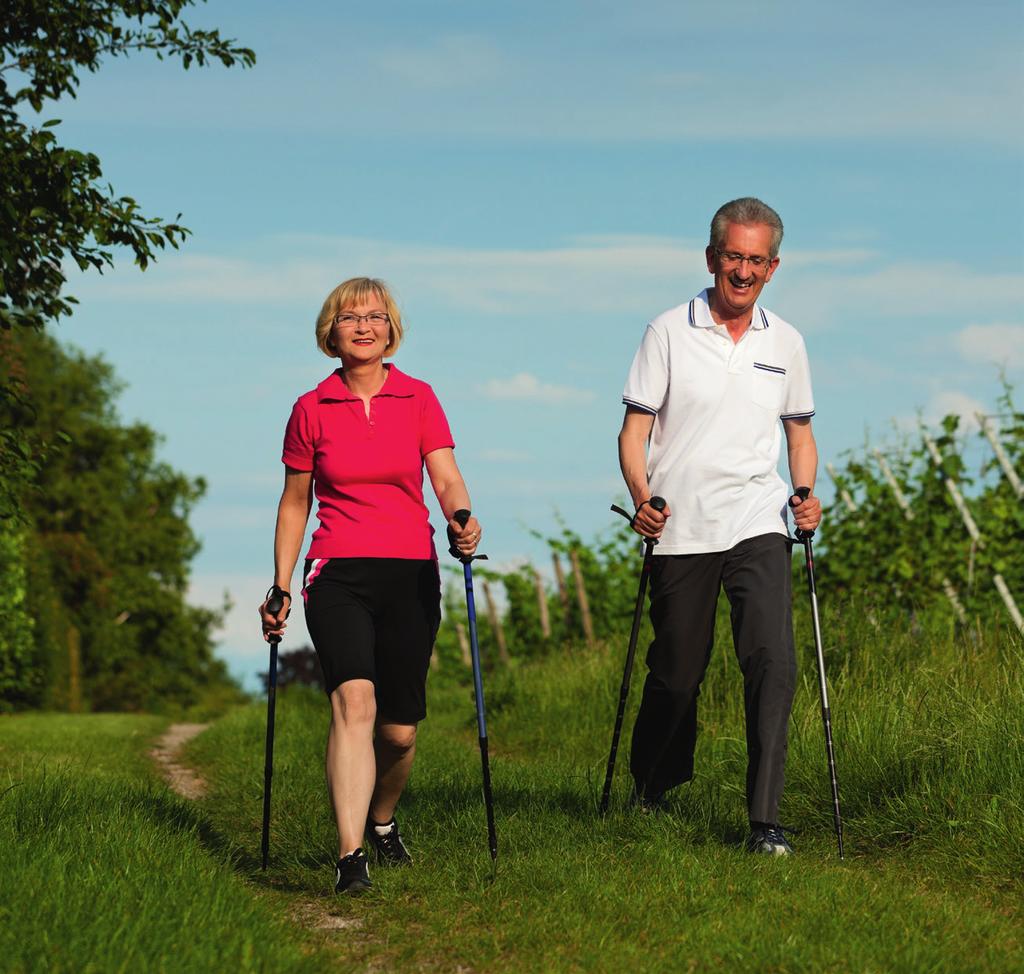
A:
{"points": [[804, 537], [275, 602], [462, 517], [658, 503]]}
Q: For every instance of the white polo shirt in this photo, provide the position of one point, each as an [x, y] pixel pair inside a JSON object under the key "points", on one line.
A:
{"points": [[716, 438]]}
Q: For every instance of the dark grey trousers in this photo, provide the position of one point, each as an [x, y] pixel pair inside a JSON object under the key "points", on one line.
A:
{"points": [[684, 594]]}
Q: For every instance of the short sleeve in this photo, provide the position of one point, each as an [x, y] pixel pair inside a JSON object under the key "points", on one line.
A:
{"points": [[299, 438], [434, 431], [799, 401], [647, 382]]}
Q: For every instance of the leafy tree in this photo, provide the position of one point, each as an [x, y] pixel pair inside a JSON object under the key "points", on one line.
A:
{"points": [[877, 555], [296, 666], [106, 547], [55, 208]]}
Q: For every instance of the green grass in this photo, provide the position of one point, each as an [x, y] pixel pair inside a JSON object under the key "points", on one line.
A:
{"points": [[104, 869], [931, 764]]}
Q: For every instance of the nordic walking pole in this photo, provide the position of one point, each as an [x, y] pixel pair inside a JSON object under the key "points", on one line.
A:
{"points": [[658, 503], [804, 537], [462, 517], [275, 603]]}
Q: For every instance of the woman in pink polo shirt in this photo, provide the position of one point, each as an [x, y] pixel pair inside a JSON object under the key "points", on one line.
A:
{"points": [[359, 442]]}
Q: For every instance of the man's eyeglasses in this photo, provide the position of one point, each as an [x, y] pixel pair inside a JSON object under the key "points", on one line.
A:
{"points": [[346, 318], [730, 259]]}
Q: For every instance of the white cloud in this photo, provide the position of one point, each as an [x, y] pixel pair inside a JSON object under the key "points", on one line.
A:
{"points": [[528, 388], [898, 291], [628, 275], [607, 84], [953, 402], [999, 343]]}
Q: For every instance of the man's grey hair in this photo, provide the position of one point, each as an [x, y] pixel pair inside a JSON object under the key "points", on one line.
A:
{"points": [[746, 210]]}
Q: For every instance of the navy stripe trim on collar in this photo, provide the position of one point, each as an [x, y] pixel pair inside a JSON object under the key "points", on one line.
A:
{"points": [[798, 415], [770, 368], [764, 317], [640, 405], [693, 321]]}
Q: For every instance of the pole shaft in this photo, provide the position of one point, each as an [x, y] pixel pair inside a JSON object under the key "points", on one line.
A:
{"points": [[481, 719], [268, 765], [626, 675], [826, 713]]}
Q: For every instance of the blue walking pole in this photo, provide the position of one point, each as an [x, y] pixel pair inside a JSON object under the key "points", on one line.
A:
{"points": [[462, 517], [275, 603]]}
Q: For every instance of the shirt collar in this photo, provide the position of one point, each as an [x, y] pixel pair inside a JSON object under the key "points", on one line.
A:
{"points": [[699, 314], [333, 388]]}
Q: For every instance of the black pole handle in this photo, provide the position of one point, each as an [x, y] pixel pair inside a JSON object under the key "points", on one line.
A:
{"points": [[803, 493], [461, 517], [658, 503], [275, 603]]}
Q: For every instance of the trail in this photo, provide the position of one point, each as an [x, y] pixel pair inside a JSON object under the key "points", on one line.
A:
{"points": [[187, 783], [182, 779]]}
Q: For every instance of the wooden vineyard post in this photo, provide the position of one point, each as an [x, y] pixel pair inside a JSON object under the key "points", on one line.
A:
{"points": [[972, 530], [542, 605], [563, 592], [581, 595], [74, 670], [1004, 460], [460, 631], [948, 588], [492, 615]]}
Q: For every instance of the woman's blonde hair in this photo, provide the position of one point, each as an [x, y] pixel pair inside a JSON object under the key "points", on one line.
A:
{"points": [[347, 295]]}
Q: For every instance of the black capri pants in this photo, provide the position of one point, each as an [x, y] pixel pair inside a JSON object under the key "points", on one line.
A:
{"points": [[375, 619]]}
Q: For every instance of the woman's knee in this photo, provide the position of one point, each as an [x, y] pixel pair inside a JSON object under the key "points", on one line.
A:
{"points": [[398, 737], [354, 702]]}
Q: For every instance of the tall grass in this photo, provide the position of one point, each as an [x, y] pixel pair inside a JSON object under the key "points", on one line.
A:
{"points": [[104, 869], [929, 729]]}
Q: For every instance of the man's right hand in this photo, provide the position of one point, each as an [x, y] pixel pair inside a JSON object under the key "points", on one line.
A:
{"points": [[649, 522]]}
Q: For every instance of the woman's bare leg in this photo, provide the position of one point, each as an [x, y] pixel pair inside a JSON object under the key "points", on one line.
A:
{"points": [[394, 747], [351, 763]]}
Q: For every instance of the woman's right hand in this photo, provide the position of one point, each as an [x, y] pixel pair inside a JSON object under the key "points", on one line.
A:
{"points": [[274, 625]]}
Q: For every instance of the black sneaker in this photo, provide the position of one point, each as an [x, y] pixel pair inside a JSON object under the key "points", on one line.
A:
{"points": [[390, 848], [648, 803], [768, 840], [351, 874]]}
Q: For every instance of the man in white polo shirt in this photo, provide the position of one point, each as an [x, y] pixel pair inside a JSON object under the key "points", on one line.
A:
{"points": [[704, 398]]}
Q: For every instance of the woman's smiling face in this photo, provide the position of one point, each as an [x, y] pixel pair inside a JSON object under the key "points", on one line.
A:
{"points": [[360, 333]]}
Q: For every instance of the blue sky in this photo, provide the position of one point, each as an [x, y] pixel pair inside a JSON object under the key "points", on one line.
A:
{"points": [[536, 182]]}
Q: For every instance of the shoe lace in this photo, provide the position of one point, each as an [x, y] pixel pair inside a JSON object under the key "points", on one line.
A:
{"points": [[390, 841]]}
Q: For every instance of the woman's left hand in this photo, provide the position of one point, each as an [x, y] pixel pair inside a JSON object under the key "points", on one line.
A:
{"points": [[466, 538]]}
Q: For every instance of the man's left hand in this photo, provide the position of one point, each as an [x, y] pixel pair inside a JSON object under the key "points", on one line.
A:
{"points": [[806, 514]]}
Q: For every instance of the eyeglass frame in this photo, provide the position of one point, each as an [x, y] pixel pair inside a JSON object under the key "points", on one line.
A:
{"points": [[733, 259], [354, 319]]}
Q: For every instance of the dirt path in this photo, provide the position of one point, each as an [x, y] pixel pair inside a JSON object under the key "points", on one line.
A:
{"points": [[166, 752]]}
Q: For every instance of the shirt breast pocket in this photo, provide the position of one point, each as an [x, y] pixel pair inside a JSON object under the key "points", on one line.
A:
{"points": [[767, 386]]}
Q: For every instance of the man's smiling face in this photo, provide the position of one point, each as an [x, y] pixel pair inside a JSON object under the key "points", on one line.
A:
{"points": [[738, 280]]}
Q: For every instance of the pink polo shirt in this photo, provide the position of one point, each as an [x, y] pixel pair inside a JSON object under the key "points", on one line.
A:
{"points": [[368, 472]]}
